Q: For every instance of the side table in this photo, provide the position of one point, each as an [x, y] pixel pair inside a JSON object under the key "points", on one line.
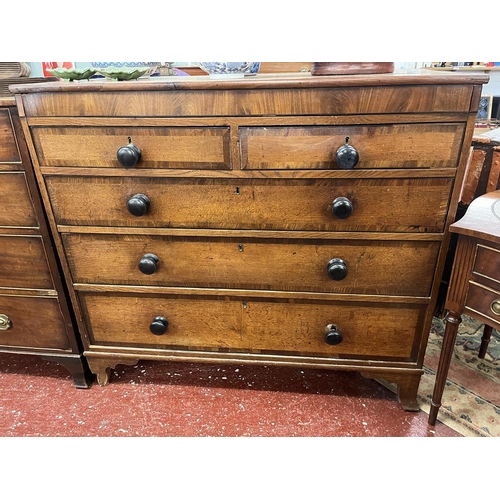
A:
{"points": [[474, 287]]}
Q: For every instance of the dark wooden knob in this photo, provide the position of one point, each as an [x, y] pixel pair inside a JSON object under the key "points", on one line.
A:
{"points": [[138, 205], [149, 263], [129, 155], [337, 269], [342, 207], [333, 336], [347, 157], [159, 325]]}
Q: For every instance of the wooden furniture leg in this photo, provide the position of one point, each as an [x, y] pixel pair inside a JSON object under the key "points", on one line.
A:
{"points": [[78, 368], [485, 340], [453, 321], [101, 366]]}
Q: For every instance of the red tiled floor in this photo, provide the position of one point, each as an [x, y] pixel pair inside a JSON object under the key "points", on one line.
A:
{"points": [[37, 398]]}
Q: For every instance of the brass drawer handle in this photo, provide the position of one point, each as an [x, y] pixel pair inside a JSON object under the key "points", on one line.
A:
{"points": [[495, 307], [5, 322]]}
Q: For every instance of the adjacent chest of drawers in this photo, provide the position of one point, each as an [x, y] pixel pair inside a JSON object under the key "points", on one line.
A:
{"points": [[34, 314], [290, 220]]}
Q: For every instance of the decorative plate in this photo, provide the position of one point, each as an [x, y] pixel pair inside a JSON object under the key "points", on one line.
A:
{"points": [[229, 69], [123, 73], [73, 73]]}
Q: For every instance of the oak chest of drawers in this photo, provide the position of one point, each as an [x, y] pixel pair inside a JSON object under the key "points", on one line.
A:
{"points": [[286, 220], [35, 317]]}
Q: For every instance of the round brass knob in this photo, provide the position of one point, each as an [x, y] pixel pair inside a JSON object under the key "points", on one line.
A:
{"points": [[148, 264], [5, 322], [138, 205], [347, 157], [129, 155], [333, 336], [336, 269], [159, 325], [495, 307], [342, 207]]}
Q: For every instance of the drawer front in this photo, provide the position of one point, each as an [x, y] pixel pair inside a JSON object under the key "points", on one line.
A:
{"points": [[395, 205], [34, 322], [234, 325], [161, 147], [391, 267], [487, 266], [9, 152], [392, 146], [23, 263], [484, 302], [17, 207], [347, 100]]}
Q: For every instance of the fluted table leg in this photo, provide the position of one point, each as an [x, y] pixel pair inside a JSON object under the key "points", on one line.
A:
{"points": [[453, 320]]}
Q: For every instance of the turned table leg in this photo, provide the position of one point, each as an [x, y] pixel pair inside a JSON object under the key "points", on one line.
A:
{"points": [[485, 340], [453, 320]]}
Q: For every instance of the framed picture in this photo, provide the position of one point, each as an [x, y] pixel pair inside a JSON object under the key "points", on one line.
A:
{"points": [[53, 65], [485, 105]]}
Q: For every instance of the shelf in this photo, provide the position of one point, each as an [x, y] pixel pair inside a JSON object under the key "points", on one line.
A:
{"points": [[466, 68]]}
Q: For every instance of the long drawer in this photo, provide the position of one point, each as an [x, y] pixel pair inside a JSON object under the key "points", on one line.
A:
{"points": [[34, 322], [348, 100], [235, 325], [334, 266], [397, 205]]}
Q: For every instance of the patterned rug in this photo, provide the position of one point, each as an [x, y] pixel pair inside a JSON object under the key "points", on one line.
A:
{"points": [[471, 398]]}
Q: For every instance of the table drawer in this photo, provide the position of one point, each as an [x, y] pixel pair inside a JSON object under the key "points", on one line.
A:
{"points": [[34, 322], [238, 325], [483, 301], [23, 263], [9, 152], [16, 202], [435, 145], [392, 205], [487, 266], [161, 147], [372, 267]]}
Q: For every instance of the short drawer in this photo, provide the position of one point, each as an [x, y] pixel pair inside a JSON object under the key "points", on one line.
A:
{"points": [[17, 208], [487, 266], [258, 326], [161, 147], [23, 263], [9, 152], [435, 145], [33, 322], [362, 266], [483, 301], [393, 205]]}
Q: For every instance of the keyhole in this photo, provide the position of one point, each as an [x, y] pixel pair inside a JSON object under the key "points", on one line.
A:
{"points": [[237, 190], [240, 248]]}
